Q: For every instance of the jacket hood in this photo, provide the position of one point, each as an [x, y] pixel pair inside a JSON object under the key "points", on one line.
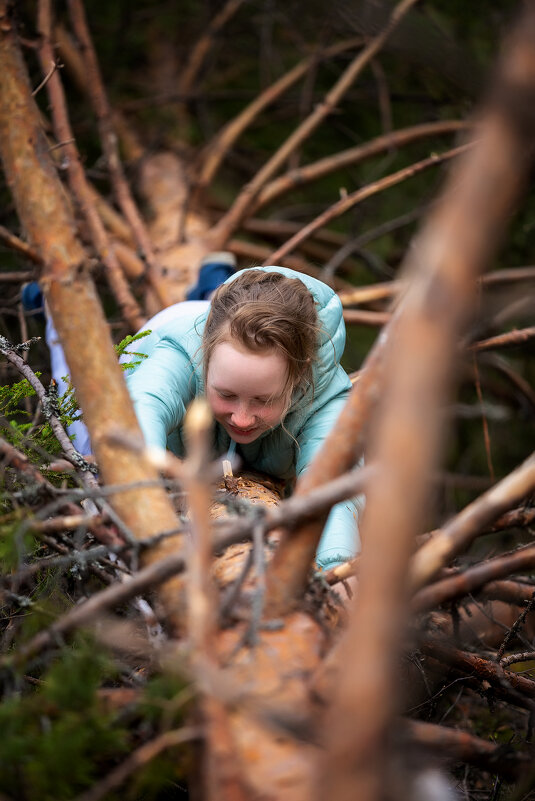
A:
{"points": [[332, 336]]}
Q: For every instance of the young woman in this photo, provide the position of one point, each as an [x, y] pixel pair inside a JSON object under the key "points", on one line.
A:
{"points": [[266, 354]]}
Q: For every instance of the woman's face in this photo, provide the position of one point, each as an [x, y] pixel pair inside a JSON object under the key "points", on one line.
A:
{"points": [[246, 390]]}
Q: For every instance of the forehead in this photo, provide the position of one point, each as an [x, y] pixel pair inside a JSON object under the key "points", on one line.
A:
{"points": [[235, 369]]}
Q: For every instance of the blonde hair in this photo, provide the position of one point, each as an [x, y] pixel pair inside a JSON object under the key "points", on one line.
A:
{"points": [[262, 311]]}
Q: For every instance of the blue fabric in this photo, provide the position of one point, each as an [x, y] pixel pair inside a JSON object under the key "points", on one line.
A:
{"points": [[211, 276], [163, 385], [32, 299]]}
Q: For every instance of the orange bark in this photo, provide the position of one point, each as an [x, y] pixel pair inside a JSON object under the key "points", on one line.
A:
{"points": [[443, 264]]}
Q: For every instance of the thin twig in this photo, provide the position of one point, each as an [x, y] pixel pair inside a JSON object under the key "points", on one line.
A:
{"points": [[505, 683], [295, 179], [459, 585], [159, 571], [83, 468], [260, 588], [508, 340], [457, 535], [350, 201], [514, 629], [78, 181], [138, 759], [486, 436], [55, 66], [109, 140], [21, 247], [243, 204], [511, 659], [217, 149]]}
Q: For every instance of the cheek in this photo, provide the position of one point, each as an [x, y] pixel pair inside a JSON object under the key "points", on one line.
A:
{"points": [[272, 415], [219, 406]]}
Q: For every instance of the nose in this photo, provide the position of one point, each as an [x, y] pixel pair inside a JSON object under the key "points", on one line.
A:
{"points": [[241, 417]]}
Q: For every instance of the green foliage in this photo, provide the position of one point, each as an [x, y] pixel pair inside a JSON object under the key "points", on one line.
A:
{"points": [[164, 700], [57, 739], [14, 540], [123, 345], [19, 420]]}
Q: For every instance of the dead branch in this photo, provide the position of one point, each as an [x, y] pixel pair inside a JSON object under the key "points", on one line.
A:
{"points": [[50, 227], [519, 382], [518, 593], [348, 202], [454, 587], [138, 759], [447, 257], [295, 509], [457, 535], [390, 289], [511, 659], [216, 150], [87, 612], [460, 746], [201, 49], [79, 558], [508, 340], [288, 570], [108, 137], [202, 615], [504, 683], [78, 183], [18, 277], [259, 253], [505, 591], [83, 468], [19, 246], [113, 221], [157, 572], [365, 294], [243, 204], [75, 66], [363, 317], [520, 517], [14, 458], [523, 516], [295, 179], [512, 274]]}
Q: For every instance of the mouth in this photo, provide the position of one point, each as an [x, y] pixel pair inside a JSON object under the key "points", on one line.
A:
{"points": [[241, 432]]}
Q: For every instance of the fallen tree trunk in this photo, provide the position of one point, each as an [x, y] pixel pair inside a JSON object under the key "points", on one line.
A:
{"points": [[46, 216]]}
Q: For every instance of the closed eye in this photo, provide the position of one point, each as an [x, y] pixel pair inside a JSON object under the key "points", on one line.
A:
{"points": [[268, 400]]}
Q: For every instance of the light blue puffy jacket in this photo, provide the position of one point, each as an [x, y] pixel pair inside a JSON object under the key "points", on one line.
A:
{"points": [[163, 385]]}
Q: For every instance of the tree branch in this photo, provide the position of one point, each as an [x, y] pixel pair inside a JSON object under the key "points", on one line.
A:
{"points": [[243, 203], [296, 179], [347, 203]]}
